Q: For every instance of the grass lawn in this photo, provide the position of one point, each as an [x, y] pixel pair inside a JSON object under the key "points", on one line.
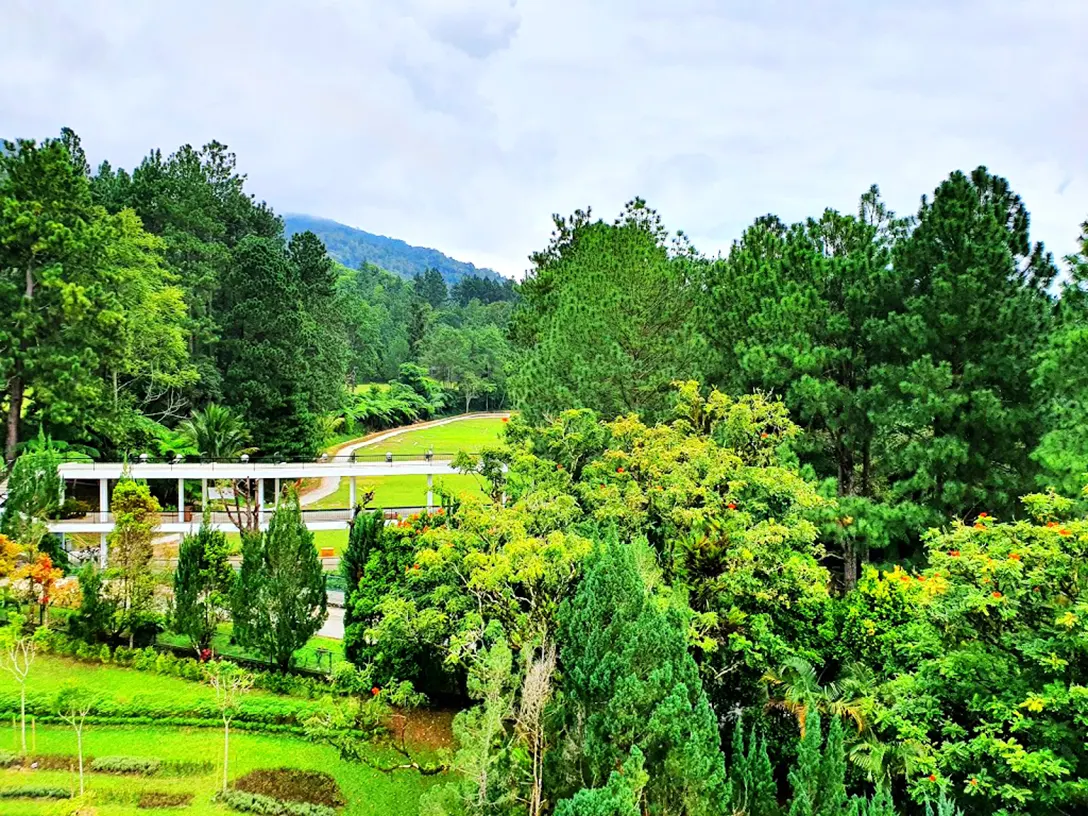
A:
{"points": [[368, 792], [397, 491], [306, 657], [470, 435], [337, 539]]}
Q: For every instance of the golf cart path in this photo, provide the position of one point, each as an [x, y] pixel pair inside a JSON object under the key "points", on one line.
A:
{"points": [[331, 484]]}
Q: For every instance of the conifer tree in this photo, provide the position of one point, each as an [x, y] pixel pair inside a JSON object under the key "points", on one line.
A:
{"points": [[805, 775], [832, 793]]}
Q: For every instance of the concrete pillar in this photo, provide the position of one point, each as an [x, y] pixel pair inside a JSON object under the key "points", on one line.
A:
{"points": [[181, 500], [103, 557], [351, 492], [276, 498], [260, 501], [103, 501], [430, 491], [203, 495]]}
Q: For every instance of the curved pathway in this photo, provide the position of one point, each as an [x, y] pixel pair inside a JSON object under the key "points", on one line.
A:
{"points": [[331, 484]]}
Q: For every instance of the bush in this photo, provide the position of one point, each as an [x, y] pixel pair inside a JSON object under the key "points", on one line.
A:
{"points": [[31, 792], [183, 767], [73, 508], [267, 806], [53, 762], [141, 766], [292, 785], [150, 800], [7, 759]]}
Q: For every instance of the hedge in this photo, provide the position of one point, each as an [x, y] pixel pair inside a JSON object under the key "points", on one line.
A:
{"points": [[31, 792], [140, 766], [267, 806]]}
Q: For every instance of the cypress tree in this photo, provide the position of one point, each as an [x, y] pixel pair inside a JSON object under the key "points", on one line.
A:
{"points": [[365, 537], [202, 584], [805, 775], [832, 795]]}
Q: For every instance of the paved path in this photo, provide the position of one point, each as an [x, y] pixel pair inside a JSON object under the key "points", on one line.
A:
{"points": [[331, 484], [333, 627]]}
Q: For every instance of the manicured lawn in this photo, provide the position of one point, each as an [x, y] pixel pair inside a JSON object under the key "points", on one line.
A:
{"points": [[368, 792], [470, 435], [397, 491], [306, 657], [337, 539]]}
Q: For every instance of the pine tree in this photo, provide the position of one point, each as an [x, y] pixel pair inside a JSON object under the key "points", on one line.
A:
{"points": [[832, 799], [203, 581], [279, 599], [805, 775], [365, 536], [630, 680]]}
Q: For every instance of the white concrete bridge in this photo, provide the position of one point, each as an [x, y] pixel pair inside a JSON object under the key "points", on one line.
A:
{"points": [[187, 519]]}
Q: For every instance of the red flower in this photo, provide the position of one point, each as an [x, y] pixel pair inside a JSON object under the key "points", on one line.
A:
{"points": [[375, 691], [997, 594], [506, 419], [1052, 524], [1063, 532], [983, 515], [731, 506], [932, 778], [415, 566], [954, 553], [619, 470], [1014, 556]]}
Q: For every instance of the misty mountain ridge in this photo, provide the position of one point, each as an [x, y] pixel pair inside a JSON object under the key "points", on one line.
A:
{"points": [[352, 247]]}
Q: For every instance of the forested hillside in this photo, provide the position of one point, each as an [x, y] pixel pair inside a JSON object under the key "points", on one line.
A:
{"points": [[353, 247]]}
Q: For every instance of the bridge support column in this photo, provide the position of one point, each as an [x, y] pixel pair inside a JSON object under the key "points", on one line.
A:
{"points": [[430, 491], [181, 500], [260, 502], [103, 500], [203, 496], [276, 498], [351, 492], [103, 552]]}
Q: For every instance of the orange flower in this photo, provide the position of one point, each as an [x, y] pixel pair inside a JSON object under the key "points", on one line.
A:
{"points": [[619, 470], [980, 526], [997, 594], [732, 506], [375, 691], [1014, 556], [954, 553], [506, 419], [932, 778], [764, 435], [1064, 532], [974, 781], [921, 578], [1052, 524]]}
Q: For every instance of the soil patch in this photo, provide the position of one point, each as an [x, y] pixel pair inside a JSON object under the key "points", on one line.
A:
{"points": [[293, 785]]}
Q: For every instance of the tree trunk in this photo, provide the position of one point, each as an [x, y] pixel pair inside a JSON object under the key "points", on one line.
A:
{"points": [[15, 409], [22, 712], [849, 564], [226, 751], [79, 750]]}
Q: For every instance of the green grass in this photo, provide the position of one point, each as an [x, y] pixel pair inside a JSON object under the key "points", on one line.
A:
{"points": [[306, 657], [470, 435], [124, 686], [396, 491], [368, 792], [337, 539]]}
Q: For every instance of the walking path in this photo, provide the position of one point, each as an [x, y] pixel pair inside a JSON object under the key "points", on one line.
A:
{"points": [[330, 484]]}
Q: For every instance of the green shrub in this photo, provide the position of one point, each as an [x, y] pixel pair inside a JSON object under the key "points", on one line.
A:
{"points": [[142, 766], [7, 759], [292, 785], [185, 767], [150, 800], [31, 792], [267, 806]]}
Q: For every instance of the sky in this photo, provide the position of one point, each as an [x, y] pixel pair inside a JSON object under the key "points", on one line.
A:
{"points": [[464, 125]]}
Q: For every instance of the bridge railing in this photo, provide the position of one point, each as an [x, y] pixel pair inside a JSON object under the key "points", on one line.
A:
{"points": [[143, 458]]}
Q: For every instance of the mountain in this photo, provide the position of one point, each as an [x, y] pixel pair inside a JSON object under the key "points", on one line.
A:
{"points": [[352, 247]]}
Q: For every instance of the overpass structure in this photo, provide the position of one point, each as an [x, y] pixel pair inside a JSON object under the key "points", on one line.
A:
{"points": [[227, 473]]}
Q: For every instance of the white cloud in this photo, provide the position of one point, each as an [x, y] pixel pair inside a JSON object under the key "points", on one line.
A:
{"points": [[465, 125]]}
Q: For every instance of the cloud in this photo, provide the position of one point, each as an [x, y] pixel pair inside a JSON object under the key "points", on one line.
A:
{"points": [[465, 125]]}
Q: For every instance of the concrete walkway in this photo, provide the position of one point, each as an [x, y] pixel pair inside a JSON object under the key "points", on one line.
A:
{"points": [[328, 486]]}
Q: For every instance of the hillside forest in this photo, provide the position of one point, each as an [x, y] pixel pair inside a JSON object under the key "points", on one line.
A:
{"points": [[793, 530]]}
